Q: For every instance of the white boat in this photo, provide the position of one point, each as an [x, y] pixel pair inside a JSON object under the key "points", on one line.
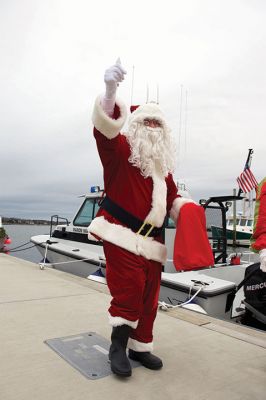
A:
{"points": [[239, 229], [68, 248]]}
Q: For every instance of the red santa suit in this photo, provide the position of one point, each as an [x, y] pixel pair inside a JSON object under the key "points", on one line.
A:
{"points": [[258, 239], [133, 261]]}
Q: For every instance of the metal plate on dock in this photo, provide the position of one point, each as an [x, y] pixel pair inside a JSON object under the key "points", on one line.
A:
{"points": [[87, 352]]}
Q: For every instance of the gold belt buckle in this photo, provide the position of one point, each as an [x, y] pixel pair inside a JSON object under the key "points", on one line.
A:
{"points": [[143, 226]]}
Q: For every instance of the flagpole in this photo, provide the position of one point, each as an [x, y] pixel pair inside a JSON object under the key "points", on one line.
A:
{"points": [[234, 220], [247, 164], [180, 129], [132, 85]]}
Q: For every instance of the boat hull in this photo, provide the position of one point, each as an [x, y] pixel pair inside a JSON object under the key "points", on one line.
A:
{"points": [[176, 288], [216, 283], [241, 238], [63, 257]]}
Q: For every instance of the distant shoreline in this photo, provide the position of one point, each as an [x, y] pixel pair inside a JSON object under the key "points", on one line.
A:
{"points": [[24, 221], [14, 223]]}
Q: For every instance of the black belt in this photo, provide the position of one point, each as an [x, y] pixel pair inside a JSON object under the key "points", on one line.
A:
{"points": [[132, 222]]}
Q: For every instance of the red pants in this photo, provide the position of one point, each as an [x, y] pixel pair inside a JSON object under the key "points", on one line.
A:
{"points": [[134, 283]]}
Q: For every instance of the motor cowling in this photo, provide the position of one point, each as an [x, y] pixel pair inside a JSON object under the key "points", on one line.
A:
{"points": [[255, 296]]}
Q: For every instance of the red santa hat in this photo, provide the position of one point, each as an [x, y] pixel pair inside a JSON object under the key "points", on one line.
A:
{"points": [[133, 108], [147, 111]]}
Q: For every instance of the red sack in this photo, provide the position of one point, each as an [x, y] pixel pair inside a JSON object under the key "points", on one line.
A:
{"points": [[192, 249]]}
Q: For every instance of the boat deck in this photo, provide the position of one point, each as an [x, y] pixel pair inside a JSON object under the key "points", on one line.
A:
{"points": [[204, 358]]}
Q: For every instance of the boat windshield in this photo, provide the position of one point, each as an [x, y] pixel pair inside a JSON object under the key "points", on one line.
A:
{"points": [[243, 222], [249, 222], [87, 212]]}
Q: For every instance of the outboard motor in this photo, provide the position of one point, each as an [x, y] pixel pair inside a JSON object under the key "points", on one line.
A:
{"points": [[255, 297]]}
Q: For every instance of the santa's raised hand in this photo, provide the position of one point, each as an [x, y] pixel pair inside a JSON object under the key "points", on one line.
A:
{"points": [[112, 77]]}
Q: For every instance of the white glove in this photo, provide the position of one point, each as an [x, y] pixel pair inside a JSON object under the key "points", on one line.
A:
{"points": [[262, 254], [112, 77]]}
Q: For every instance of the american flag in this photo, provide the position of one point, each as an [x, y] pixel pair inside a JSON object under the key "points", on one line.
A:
{"points": [[247, 180]]}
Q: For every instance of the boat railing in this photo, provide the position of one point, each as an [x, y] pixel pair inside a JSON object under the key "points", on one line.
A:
{"points": [[248, 256], [55, 220], [219, 244]]}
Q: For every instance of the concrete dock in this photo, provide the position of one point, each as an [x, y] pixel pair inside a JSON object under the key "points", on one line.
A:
{"points": [[204, 358]]}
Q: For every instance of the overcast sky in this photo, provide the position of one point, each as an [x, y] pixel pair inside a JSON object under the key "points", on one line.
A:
{"points": [[53, 57]]}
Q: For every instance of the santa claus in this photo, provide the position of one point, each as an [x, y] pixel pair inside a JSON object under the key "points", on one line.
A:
{"points": [[140, 192], [258, 239]]}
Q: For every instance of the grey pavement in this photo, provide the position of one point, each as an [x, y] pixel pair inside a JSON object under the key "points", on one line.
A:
{"points": [[203, 358]]}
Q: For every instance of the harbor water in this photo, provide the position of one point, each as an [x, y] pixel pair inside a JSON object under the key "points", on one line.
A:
{"points": [[20, 235]]}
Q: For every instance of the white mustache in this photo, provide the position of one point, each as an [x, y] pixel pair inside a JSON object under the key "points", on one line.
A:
{"points": [[150, 145]]}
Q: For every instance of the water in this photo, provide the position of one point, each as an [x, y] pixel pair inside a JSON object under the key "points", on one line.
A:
{"points": [[20, 234]]}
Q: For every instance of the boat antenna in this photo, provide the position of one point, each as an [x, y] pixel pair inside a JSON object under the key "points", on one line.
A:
{"points": [[147, 94], [157, 93], [247, 165], [180, 125], [132, 85], [186, 111]]}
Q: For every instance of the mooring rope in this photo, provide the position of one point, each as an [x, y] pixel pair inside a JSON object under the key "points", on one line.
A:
{"points": [[165, 306]]}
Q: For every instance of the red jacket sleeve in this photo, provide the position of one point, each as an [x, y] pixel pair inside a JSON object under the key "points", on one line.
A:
{"points": [[172, 192], [258, 239]]}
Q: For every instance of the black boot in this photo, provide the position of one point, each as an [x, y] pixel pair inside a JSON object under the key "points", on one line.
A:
{"points": [[147, 359], [120, 364]]}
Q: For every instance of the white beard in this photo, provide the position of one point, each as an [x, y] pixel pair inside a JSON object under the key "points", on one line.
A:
{"points": [[151, 147]]}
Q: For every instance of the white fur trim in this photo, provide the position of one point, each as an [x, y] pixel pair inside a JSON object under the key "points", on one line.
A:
{"points": [[176, 206], [128, 240], [139, 346], [148, 110], [109, 127], [158, 210], [91, 237], [262, 253], [118, 321]]}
